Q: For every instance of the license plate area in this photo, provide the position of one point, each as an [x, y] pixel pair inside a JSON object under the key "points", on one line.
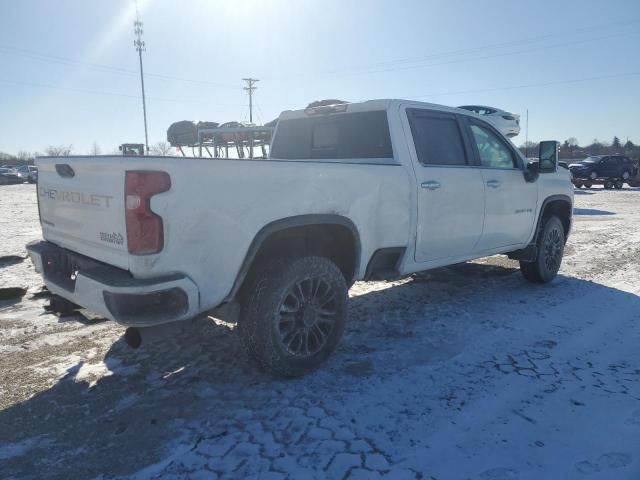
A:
{"points": [[61, 268]]}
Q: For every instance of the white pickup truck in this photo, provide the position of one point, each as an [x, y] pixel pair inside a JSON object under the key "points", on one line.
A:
{"points": [[360, 191]]}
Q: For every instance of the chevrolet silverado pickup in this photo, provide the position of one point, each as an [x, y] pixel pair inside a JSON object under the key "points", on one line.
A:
{"points": [[360, 191]]}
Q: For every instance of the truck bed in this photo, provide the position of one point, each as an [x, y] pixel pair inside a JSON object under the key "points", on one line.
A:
{"points": [[214, 209]]}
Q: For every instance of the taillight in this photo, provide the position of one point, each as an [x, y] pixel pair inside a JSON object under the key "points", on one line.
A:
{"points": [[144, 228]]}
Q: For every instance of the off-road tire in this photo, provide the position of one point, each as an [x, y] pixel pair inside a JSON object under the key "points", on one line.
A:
{"points": [[550, 245], [269, 315]]}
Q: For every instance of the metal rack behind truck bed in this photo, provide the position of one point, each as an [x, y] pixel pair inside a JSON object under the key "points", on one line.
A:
{"points": [[218, 142]]}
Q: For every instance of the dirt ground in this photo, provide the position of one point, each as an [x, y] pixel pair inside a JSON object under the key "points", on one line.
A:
{"points": [[465, 372]]}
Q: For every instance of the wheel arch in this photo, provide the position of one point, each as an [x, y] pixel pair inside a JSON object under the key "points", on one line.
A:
{"points": [[313, 228], [560, 205]]}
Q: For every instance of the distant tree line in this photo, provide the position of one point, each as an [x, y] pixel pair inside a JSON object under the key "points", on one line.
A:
{"points": [[27, 158], [570, 149]]}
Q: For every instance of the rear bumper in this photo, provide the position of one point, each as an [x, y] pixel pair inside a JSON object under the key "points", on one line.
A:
{"points": [[113, 292]]}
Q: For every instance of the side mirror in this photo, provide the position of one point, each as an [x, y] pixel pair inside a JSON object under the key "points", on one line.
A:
{"points": [[548, 154], [532, 172]]}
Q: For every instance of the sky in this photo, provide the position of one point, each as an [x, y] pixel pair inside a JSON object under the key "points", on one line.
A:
{"points": [[70, 73]]}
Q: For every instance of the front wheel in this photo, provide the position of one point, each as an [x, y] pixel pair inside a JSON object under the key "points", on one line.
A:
{"points": [[293, 314], [550, 245], [577, 184], [618, 184]]}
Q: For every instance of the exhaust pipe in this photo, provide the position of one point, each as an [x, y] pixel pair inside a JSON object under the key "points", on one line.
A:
{"points": [[136, 336]]}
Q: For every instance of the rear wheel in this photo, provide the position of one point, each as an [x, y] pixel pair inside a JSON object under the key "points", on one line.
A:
{"points": [[550, 245], [608, 185], [618, 184], [293, 314], [588, 184]]}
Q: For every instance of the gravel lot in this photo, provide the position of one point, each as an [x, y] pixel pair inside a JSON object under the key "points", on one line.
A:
{"points": [[466, 372]]}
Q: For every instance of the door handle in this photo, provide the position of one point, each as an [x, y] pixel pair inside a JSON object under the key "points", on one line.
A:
{"points": [[493, 183], [430, 185]]}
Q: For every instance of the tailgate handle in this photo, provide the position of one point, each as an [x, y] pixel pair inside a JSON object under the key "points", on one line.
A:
{"points": [[65, 170]]}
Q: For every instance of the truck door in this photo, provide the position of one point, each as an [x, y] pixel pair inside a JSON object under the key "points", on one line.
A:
{"points": [[450, 189], [510, 201]]}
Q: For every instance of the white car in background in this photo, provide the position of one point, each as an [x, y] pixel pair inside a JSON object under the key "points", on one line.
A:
{"points": [[508, 123]]}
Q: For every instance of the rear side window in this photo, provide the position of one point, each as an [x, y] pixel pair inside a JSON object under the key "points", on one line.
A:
{"points": [[337, 136], [437, 139]]}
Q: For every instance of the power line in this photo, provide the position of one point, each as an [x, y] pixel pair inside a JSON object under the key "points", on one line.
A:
{"points": [[513, 87], [101, 67], [485, 57], [110, 94], [363, 69], [491, 46]]}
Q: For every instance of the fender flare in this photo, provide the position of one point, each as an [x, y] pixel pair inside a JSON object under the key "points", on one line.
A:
{"points": [[530, 252], [284, 224], [547, 201]]}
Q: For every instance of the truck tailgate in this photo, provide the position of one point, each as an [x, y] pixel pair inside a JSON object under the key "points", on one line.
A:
{"points": [[81, 202]]}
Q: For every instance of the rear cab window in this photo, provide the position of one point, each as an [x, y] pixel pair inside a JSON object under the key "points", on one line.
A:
{"points": [[340, 136]]}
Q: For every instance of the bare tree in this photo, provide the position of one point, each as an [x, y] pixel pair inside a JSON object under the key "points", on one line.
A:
{"points": [[529, 148], [24, 157], [58, 150], [162, 148], [95, 149]]}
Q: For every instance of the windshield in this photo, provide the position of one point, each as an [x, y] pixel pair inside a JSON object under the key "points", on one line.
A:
{"points": [[591, 160]]}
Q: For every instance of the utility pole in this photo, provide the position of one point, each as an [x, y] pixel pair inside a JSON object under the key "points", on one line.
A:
{"points": [[250, 88], [526, 137], [139, 45]]}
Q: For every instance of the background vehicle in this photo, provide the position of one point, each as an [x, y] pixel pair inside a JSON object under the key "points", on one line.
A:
{"points": [[28, 172], [507, 123], [612, 170], [132, 149], [350, 192], [9, 176]]}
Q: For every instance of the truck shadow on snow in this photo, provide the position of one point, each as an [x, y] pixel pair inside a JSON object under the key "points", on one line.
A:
{"points": [[186, 385], [591, 211]]}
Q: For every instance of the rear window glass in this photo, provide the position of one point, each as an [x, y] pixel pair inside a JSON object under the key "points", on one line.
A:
{"points": [[437, 139], [334, 136]]}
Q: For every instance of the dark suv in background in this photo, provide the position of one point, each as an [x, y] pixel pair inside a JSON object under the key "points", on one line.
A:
{"points": [[612, 170]]}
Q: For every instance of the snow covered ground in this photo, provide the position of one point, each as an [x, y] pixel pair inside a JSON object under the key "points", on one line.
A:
{"points": [[466, 372]]}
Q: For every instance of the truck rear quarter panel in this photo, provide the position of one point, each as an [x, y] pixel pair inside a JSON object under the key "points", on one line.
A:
{"points": [[215, 208]]}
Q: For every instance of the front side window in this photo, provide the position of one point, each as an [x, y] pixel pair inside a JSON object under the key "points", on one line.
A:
{"points": [[493, 152], [437, 139]]}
